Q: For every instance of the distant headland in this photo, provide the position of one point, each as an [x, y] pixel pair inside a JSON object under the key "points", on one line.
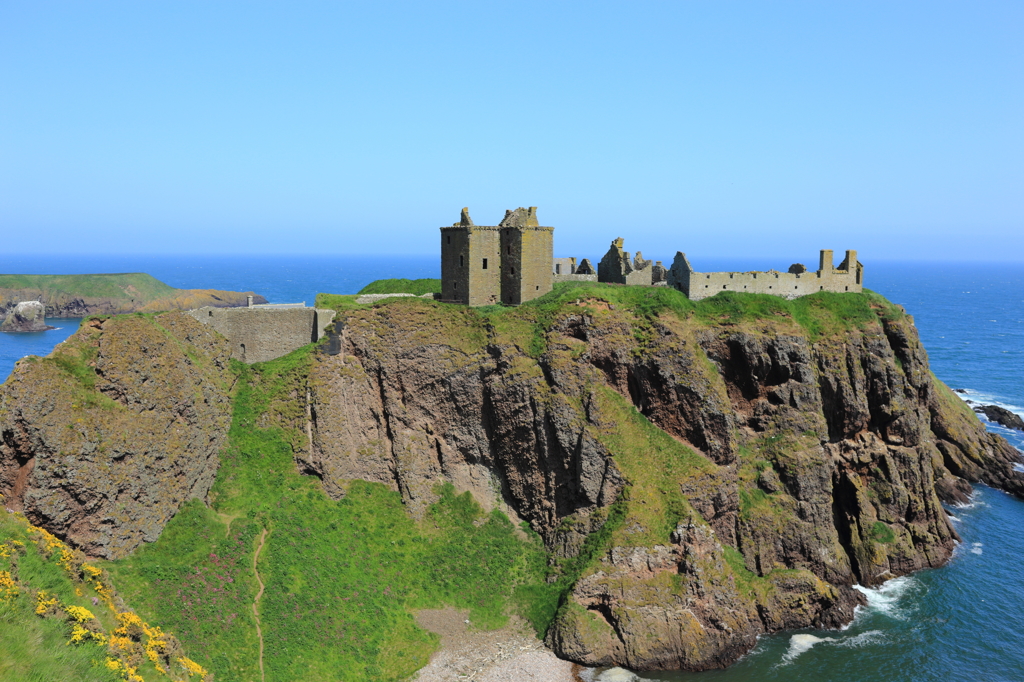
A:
{"points": [[110, 294]]}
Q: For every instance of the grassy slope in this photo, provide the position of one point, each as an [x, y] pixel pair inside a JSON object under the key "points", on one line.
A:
{"points": [[403, 286], [43, 648], [126, 286], [34, 649], [343, 577]]}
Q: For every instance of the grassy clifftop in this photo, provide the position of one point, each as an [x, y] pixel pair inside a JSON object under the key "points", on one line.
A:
{"points": [[136, 286], [80, 295], [417, 287]]}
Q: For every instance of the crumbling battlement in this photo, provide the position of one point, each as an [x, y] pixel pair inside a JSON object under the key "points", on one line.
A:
{"points": [[848, 277], [616, 267]]}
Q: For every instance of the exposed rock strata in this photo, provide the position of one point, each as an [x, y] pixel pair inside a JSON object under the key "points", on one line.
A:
{"points": [[768, 474], [826, 462], [102, 441]]}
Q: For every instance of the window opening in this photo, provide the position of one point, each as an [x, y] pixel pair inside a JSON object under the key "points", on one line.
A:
{"points": [[485, 263]]}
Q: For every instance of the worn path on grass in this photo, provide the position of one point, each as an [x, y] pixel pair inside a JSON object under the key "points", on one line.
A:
{"points": [[255, 610]]}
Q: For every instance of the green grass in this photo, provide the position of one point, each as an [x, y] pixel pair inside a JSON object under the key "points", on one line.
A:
{"points": [[403, 286], [343, 577], [882, 533], [34, 650], [129, 286], [654, 465]]}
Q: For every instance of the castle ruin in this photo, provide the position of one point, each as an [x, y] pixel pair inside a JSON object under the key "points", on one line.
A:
{"points": [[848, 277], [512, 263], [508, 263]]}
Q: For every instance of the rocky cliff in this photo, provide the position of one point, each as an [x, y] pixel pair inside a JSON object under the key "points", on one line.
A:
{"points": [[104, 439], [700, 473], [760, 467]]}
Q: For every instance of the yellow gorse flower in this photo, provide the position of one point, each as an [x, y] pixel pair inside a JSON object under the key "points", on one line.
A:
{"points": [[192, 667], [44, 602], [80, 613], [8, 588]]}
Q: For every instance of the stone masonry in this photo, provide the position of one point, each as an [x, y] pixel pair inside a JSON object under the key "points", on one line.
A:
{"points": [[507, 263], [263, 332], [849, 276]]}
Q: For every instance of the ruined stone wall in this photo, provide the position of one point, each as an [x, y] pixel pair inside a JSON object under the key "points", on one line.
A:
{"points": [[698, 285], [260, 333], [574, 278], [563, 266], [470, 264]]}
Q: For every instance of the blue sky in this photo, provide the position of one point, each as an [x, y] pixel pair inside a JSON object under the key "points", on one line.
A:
{"points": [[717, 128]]}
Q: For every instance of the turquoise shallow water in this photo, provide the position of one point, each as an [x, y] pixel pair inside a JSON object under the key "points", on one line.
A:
{"points": [[960, 622]]}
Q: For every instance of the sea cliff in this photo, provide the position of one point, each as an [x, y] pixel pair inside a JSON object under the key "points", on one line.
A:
{"points": [[699, 474]]}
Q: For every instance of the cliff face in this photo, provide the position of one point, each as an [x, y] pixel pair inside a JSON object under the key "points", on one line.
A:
{"points": [[102, 441], [699, 476], [812, 465]]}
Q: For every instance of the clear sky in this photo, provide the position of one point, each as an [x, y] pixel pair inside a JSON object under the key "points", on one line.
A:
{"points": [[717, 128]]}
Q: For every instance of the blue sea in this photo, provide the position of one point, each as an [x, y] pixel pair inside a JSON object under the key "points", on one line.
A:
{"points": [[964, 621]]}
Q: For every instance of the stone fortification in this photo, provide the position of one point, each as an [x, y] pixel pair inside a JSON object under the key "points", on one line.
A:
{"points": [[512, 262], [263, 332], [848, 277], [507, 263], [617, 268], [566, 270]]}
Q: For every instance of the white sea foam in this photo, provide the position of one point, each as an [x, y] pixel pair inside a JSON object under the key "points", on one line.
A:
{"points": [[863, 639], [618, 675], [976, 548], [798, 644], [886, 597], [1017, 466]]}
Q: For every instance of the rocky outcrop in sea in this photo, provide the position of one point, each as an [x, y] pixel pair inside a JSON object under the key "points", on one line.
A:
{"points": [[26, 316]]}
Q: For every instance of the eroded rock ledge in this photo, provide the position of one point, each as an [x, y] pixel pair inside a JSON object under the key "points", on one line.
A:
{"points": [[701, 482]]}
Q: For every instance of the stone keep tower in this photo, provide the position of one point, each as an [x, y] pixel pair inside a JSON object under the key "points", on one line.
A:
{"points": [[508, 263]]}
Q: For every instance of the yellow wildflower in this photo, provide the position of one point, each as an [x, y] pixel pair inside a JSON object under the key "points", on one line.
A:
{"points": [[91, 572], [118, 643], [80, 613], [192, 667], [78, 634], [8, 588], [112, 664], [66, 561], [44, 602]]}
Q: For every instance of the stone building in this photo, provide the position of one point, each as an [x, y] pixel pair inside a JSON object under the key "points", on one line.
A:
{"points": [[566, 270], [508, 263], [617, 268], [263, 332], [849, 276]]}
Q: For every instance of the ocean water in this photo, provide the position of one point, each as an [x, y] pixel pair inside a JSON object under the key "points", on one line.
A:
{"points": [[962, 621]]}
